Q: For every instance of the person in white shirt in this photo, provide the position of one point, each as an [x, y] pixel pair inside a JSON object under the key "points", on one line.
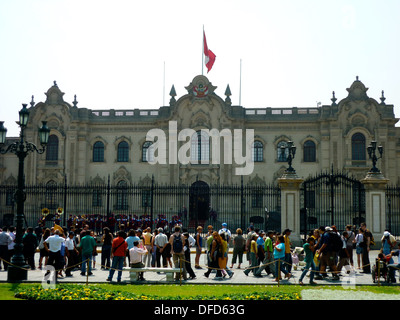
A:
{"points": [[71, 252], [53, 246], [161, 241], [225, 230], [136, 254], [192, 241], [11, 233], [5, 241]]}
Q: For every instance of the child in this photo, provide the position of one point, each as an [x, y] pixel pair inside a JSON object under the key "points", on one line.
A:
{"points": [[295, 260], [383, 267], [359, 239], [253, 256], [309, 260], [383, 257]]}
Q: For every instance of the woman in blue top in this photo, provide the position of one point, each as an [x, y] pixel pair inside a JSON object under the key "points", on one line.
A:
{"points": [[279, 257], [309, 260]]}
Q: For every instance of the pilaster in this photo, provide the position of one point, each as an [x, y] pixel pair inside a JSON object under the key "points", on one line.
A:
{"points": [[375, 203], [290, 205]]}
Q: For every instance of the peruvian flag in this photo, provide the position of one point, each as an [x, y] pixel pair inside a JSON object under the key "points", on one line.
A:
{"points": [[209, 55]]}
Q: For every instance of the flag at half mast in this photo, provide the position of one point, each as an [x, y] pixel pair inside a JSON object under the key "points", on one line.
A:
{"points": [[209, 56]]}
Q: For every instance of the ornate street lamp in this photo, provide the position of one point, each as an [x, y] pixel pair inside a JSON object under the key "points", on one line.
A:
{"points": [[292, 151], [372, 155], [17, 270]]}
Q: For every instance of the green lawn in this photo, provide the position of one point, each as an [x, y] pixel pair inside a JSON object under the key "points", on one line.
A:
{"points": [[185, 291]]}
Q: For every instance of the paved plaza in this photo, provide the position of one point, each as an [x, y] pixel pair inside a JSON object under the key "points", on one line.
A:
{"points": [[100, 276]]}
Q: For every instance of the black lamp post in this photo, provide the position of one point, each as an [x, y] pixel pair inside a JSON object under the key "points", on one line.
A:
{"points": [[292, 151], [17, 270], [372, 155]]}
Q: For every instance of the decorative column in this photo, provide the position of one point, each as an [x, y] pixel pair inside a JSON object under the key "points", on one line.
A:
{"points": [[375, 204], [290, 205], [375, 196]]}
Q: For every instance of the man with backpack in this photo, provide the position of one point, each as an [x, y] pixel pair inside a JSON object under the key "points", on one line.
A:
{"points": [[328, 253], [227, 232], [177, 241]]}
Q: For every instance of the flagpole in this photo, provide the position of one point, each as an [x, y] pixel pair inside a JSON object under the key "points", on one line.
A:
{"points": [[164, 86], [202, 53], [240, 84]]}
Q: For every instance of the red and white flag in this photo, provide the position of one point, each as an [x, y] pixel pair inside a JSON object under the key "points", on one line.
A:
{"points": [[209, 55]]}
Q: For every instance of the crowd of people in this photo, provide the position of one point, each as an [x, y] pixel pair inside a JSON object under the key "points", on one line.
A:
{"points": [[324, 248], [75, 248]]}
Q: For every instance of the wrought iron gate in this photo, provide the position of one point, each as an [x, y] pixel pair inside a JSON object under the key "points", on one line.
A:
{"points": [[393, 209], [331, 199]]}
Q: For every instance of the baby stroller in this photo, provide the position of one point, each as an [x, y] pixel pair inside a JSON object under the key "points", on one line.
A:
{"points": [[380, 269]]}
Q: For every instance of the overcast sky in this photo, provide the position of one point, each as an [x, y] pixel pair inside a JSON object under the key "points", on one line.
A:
{"points": [[112, 54]]}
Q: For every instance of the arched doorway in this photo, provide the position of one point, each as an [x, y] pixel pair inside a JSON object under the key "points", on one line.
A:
{"points": [[199, 201]]}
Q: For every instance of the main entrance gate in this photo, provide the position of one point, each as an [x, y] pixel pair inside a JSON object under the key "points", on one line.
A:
{"points": [[331, 199], [199, 201]]}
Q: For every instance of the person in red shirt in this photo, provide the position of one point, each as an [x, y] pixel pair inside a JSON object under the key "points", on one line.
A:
{"points": [[118, 252]]}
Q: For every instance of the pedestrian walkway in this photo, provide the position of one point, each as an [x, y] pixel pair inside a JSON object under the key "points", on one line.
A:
{"points": [[99, 276]]}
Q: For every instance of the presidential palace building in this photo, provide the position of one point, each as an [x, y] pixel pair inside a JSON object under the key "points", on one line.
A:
{"points": [[109, 146]]}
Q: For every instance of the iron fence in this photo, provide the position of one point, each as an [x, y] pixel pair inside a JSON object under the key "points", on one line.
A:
{"points": [[393, 209], [326, 199], [193, 205]]}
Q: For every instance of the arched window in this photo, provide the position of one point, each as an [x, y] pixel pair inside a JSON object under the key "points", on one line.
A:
{"points": [[123, 152], [200, 149], [147, 152], [98, 152], [309, 151], [282, 153], [52, 148], [257, 152], [358, 147]]}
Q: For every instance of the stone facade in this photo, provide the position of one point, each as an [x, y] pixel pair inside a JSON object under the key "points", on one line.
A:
{"points": [[90, 145]]}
